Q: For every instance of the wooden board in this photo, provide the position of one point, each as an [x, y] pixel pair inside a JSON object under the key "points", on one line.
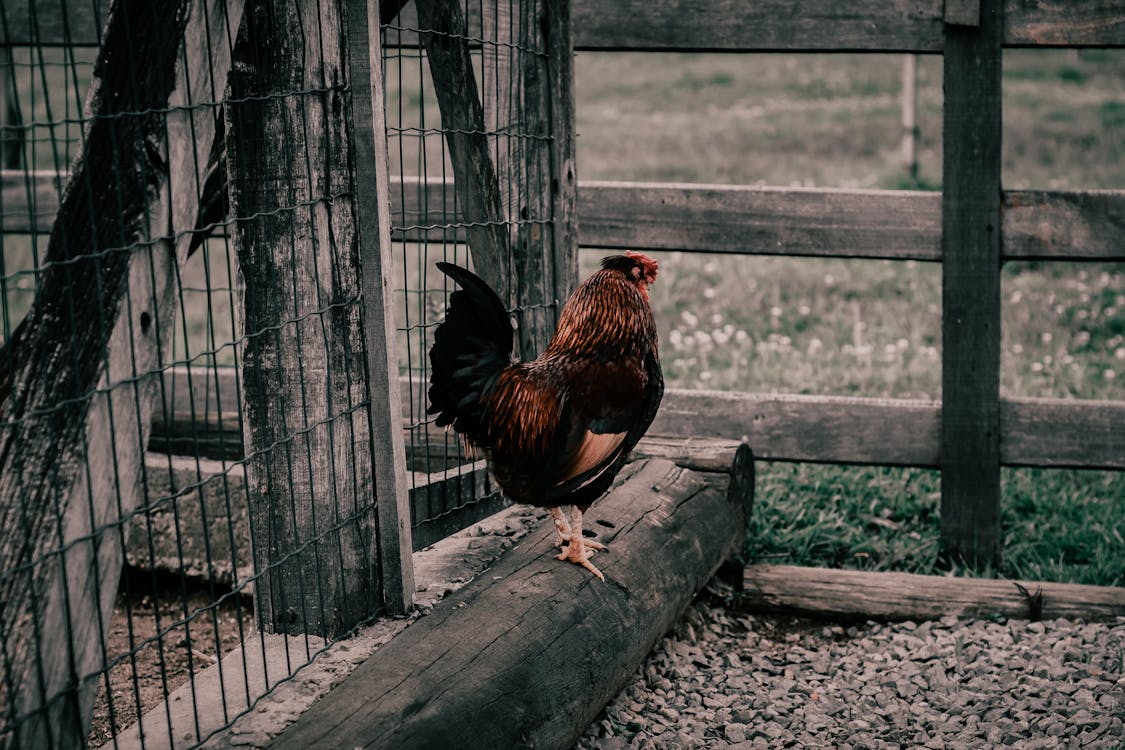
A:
{"points": [[761, 221], [528, 654], [373, 234], [1055, 432], [858, 595], [726, 25], [829, 222], [971, 228], [304, 366]]}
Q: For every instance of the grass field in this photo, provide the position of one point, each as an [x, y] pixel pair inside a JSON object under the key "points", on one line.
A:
{"points": [[769, 324]]}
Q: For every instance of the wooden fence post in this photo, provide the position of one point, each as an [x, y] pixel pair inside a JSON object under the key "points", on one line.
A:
{"points": [[79, 377], [971, 223], [564, 177], [309, 473], [373, 226]]}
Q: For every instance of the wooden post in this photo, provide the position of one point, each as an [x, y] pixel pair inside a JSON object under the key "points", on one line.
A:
{"points": [[81, 371], [910, 115], [564, 172], [971, 222], [462, 117], [373, 228], [309, 475]]}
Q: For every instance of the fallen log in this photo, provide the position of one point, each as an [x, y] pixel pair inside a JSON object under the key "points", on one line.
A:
{"points": [[860, 595], [529, 653]]}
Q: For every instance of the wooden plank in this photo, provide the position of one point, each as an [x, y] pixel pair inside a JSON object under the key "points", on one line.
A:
{"points": [[1052, 432], [719, 25], [893, 432], [289, 160], [1063, 224], [444, 502], [460, 677], [372, 197], [860, 595], [962, 12], [768, 221], [728, 25], [77, 390], [1062, 433], [564, 180], [897, 224], [971, 227], [1075, 23]]}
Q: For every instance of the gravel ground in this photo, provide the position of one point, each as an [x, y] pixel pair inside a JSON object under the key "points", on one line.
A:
{"points": [[727, 679]]}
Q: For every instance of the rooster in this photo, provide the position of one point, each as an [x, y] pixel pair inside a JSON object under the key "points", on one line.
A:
{"points": [[558, 429]]}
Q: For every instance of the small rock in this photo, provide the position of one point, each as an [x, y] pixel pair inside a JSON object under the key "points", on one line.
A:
{"points": [[735, 732]]}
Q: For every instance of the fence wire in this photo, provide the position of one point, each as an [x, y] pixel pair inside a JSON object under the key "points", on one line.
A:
{"points": [[126, 411], [431, 222]]}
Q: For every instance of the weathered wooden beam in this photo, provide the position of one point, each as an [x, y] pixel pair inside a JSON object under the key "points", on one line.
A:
{"points": [[462, 117], [832, 429], [861, 595], [829, 222], [290, 160], [528, 654], [719, 25], [897, 224], [372, 189], [971, 229], [78, 390], [702, 428]]}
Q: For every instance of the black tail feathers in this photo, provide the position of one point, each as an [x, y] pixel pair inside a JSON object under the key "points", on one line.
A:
{"points": [[471, 347]]}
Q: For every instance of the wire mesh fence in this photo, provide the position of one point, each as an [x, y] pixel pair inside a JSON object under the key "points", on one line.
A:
{"points": [[189, 439], [467, 176]]}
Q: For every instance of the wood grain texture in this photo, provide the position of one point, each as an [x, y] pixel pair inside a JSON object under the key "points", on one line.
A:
{"points": [[462, 116], [1076, 23], [304, 374], [858, 595], [971, 228], [559, 43], [78, 398], [823, 25], [528, 654], [832, 429], [1076, 225], [1053, 432], [373, 235], [896, 224], [764, 221]]}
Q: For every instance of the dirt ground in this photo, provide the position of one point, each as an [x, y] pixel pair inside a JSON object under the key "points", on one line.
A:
{"points": [[194, 632]]}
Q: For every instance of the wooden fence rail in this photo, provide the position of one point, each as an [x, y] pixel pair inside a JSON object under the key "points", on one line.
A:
{"points": [[1080, 225], [720, 25]]}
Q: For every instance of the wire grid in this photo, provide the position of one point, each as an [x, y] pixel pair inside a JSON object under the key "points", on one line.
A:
{"points": [[184, 599], [429, 224]]}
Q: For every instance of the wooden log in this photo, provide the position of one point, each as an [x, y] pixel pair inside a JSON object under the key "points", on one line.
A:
{"points": [[971, 227], [78, 389], [290, 160], [860, 595], [717, 25], [528, 654]]}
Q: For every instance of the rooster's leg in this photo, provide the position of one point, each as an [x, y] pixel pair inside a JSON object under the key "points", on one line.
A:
{"points": [[562, 528], [578, 550]]}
